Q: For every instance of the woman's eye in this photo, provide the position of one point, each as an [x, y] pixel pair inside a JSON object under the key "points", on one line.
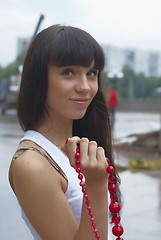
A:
{"points": [[93, 73], [68, 72]]}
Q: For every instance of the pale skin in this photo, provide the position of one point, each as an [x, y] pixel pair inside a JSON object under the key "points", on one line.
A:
{"points": [[39, 187]]}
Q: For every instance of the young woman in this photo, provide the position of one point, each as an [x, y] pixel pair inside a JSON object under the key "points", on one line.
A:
{"points": [[61, 108]]}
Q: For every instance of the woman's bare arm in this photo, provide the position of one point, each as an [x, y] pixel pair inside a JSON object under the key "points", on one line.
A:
{"points": [[40, 190]]}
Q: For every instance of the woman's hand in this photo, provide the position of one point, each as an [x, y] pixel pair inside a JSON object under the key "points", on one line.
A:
{"points": [[92, 159]]}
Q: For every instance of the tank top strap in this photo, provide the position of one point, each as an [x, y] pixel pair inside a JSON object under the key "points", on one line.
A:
{"points": [[44, 154]]}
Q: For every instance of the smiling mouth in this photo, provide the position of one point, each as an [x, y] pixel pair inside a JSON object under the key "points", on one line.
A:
{"points": [[80, 101]]}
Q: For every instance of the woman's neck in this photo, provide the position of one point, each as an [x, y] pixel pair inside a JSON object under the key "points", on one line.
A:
{"points": [[57, 131]]}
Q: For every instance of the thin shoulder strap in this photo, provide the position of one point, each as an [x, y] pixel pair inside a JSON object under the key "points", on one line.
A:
{"points": [[50, 160]]}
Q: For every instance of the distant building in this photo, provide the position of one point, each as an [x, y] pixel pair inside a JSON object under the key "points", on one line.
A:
{"points": [[140, 61]]}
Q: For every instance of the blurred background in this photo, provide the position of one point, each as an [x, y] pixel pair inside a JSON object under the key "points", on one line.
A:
{"points": [[130, 36]]}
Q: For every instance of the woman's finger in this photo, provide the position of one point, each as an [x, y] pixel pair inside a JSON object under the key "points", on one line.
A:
{"points": [[92, 151], [100, 155], [72, 145], [83, 145]]}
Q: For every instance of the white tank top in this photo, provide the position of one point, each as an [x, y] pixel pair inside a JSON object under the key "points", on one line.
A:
{"points": [[73, 193]]}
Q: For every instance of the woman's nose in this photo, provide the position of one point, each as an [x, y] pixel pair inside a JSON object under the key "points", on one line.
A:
{"points": [[83, 84]]}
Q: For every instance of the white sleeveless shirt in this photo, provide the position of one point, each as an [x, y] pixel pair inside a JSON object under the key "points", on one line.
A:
{"points": [[73, 193]]}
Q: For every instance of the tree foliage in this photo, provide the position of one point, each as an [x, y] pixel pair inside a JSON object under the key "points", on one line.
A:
{"points": [[12, 68], [132, 85]]}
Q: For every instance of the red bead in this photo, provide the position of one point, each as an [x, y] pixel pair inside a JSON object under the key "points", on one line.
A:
{"points": [[80, 176], [114, 207], [113, 197], [116, 219], [89, 207], [87, 201], [78, 169], [95, 230], [112, 187], [77, 155], [82, 184], [85, 196], [111, 179], [110, 169], [78, 150], [92, 219], [91, 216], [117, 230], [77, 162]]}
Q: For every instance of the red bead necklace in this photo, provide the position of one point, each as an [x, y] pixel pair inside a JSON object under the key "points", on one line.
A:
{"points": [[114, 206]]}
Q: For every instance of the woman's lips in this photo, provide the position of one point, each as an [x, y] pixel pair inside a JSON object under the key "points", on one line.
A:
{"points": [[80, 101]]}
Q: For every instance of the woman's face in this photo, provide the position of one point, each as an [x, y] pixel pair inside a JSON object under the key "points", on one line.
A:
{"points": [[70, 90]]}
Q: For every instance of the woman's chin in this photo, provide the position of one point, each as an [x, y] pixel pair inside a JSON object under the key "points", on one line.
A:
{"points": [[79, 116]]}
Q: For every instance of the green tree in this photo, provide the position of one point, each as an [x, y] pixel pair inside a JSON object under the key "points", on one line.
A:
{"points": [[137, 86], [12, 68], [125, 86]]}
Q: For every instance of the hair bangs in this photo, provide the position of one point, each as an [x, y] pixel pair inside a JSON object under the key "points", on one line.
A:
{"points": [[73, 46]]}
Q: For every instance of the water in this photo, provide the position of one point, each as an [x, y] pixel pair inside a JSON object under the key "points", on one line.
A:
{"points": [[141, 191], [141, 214]]}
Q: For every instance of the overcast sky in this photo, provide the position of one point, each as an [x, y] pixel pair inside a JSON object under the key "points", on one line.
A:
{"points": [[124, 23]]}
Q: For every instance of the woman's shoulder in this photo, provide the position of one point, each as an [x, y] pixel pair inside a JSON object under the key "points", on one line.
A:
{"points": [[29, 155], [29, 167]]}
